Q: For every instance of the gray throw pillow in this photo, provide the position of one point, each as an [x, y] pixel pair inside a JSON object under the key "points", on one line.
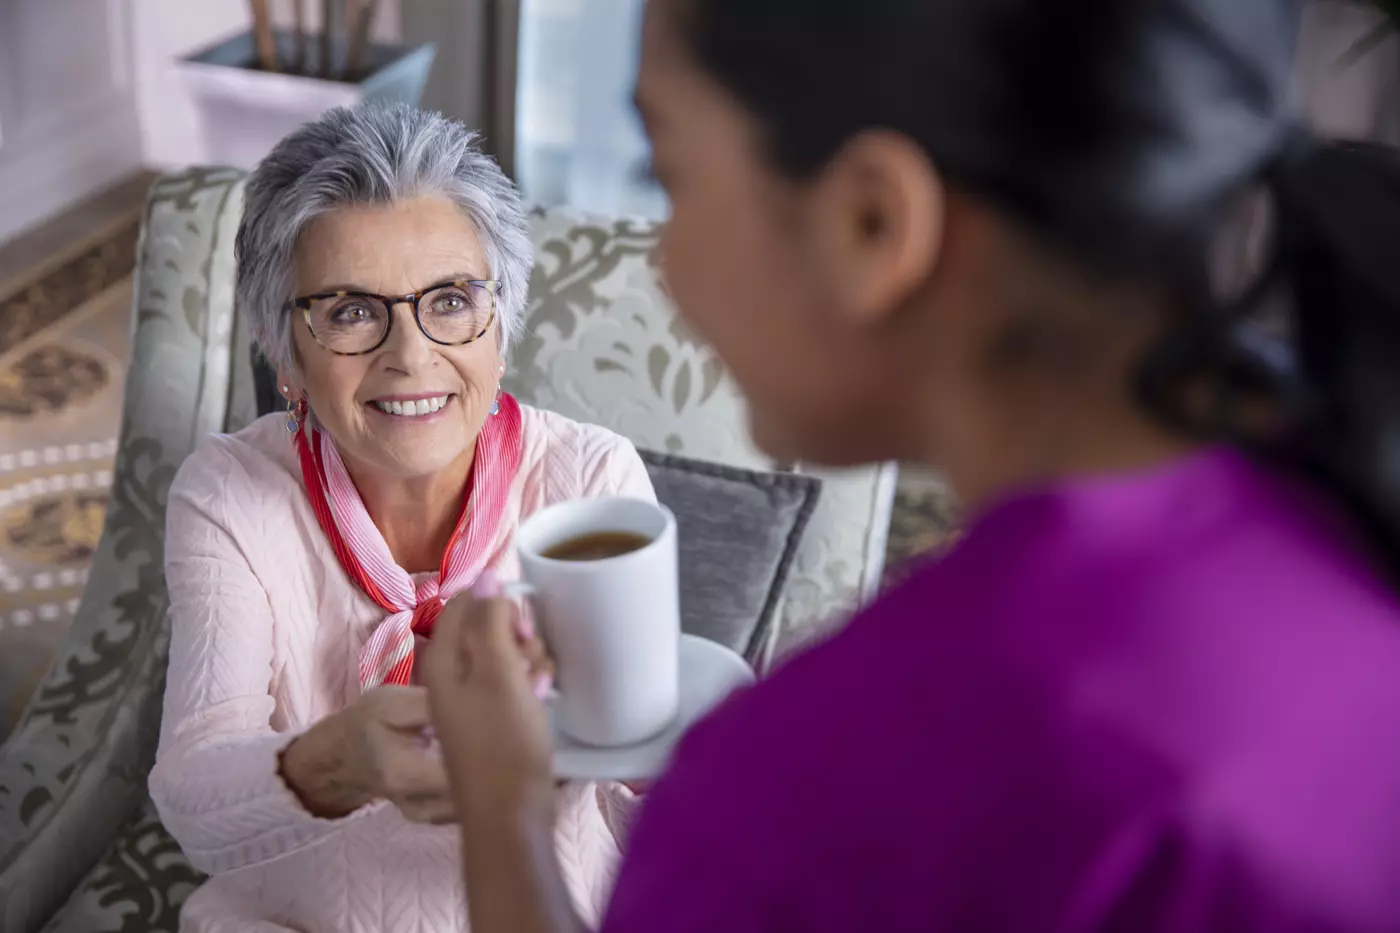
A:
{"points": [[738, 531]]}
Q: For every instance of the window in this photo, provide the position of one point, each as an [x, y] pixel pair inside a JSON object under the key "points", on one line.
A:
{"points": [[578, 141]]}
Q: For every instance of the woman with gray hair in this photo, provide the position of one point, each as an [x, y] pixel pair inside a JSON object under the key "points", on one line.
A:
{"points": [[382, 266]]}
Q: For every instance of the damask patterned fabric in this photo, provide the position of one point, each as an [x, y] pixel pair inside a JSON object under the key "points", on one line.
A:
{"points": [[603, 347], [74, 771]]}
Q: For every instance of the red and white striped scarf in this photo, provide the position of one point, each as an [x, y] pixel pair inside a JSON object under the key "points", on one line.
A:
{"points": [[387, 658]]}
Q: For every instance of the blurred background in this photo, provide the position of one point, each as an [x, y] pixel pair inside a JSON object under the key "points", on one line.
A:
{"points": [[92, 91]]}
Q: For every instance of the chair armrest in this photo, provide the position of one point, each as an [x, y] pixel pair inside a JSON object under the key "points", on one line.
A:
{"points": [[76, 765], [140, 883], [841, 559]]}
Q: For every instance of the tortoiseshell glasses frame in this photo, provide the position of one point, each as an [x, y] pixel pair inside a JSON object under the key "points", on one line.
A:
{"points": [[316, 311]]}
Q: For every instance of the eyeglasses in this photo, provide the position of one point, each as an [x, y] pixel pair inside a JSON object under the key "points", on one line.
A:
{"points": [[448, 313]]}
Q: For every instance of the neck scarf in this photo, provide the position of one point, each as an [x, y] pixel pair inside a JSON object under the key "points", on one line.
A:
{"points": [[387, 658]]}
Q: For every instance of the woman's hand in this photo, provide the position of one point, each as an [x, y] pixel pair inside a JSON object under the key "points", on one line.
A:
{"points": [[486, 675], [373, 749]]}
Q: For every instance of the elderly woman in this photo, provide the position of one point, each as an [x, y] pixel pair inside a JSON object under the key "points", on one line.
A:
{"points": [[382, 266]]}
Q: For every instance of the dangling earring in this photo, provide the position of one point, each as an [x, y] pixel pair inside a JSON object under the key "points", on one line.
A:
{"points": [[496, 402], [296, 411]]}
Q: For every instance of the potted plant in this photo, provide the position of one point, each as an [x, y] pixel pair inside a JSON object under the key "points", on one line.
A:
{"points": [[256, 87]]}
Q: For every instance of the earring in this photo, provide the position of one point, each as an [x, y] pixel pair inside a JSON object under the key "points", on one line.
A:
{"points": [[296, 411], [496, 407]]}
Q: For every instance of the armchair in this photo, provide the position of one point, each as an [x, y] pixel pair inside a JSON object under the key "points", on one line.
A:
{"points": [[81, 848]]}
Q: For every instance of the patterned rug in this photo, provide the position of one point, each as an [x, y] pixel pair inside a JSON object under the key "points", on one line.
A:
{"points": [[64, 342]]}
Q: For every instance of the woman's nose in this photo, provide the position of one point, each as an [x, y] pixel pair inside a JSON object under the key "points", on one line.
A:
{"points": [[407, 342]]}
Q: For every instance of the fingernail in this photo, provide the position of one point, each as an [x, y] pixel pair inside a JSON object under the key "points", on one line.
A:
{"points": [[542, 685], [524, 626], [487, 586]]}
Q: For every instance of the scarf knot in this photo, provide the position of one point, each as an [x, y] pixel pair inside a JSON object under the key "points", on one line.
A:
{"points": [[413, 609], [425, 615]]}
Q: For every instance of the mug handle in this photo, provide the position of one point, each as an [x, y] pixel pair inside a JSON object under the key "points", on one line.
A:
{"points": [[518, 589]]}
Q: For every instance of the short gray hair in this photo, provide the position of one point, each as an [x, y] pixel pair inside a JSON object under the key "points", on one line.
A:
{"points": [[371, 154]]}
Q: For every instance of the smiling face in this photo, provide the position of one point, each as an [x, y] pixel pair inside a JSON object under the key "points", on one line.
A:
{"points": [[411, 408]]}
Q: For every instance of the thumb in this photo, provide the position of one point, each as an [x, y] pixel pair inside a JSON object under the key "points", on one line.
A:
{"points": [[488, 636], [402, 708]]}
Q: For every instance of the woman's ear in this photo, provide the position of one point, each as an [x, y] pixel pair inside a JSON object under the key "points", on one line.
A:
{"points": [[288, 386], [880, 212]]}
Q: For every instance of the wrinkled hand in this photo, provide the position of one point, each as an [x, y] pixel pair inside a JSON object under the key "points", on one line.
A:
{"points": [[388, 752], [373, 749], [486, 674]]}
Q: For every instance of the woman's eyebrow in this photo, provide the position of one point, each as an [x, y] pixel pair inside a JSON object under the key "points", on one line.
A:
{"points": [[438, 280]]}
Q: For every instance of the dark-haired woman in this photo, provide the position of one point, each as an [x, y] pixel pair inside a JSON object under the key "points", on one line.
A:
{"points": [[1156, 686]]}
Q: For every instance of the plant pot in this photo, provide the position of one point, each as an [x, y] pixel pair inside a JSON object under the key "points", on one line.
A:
{"points": [[245, 111]]}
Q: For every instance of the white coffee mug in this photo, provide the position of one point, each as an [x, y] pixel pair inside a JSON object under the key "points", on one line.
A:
{"points": [[613, 624]]}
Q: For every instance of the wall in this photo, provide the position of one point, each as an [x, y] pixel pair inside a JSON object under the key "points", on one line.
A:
{"points": [[166, 30], [68, 123]]}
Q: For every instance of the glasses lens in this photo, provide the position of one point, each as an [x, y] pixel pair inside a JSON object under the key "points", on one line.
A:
{"points": [[349, 323], [456, 313]]}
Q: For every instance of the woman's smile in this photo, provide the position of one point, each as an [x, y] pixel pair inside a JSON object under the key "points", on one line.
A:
{"points": [[419, 408]]}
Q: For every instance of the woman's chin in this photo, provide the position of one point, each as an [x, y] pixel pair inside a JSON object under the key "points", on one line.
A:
{"points": [[416, 447]]}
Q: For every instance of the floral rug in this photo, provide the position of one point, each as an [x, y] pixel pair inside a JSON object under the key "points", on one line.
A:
{"points": [[64, 342]]}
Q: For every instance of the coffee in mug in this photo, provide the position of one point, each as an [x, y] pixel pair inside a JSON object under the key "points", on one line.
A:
{"points": [[603, 582], [597, 545]]}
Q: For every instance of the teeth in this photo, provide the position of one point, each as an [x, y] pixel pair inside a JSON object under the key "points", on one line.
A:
{"points": [[412, 409]]}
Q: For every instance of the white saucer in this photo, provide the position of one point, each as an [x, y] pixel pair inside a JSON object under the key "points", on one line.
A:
{"points": [[709, 673]]}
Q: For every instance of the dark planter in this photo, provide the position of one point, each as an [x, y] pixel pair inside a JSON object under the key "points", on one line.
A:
{"points": [[244, 111]]}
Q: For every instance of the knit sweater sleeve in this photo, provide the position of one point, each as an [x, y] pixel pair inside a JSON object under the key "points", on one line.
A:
{"points": [[216, 782]]}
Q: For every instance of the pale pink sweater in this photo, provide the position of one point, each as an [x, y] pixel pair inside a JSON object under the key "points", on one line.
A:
{"points": [[266, 631]]}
